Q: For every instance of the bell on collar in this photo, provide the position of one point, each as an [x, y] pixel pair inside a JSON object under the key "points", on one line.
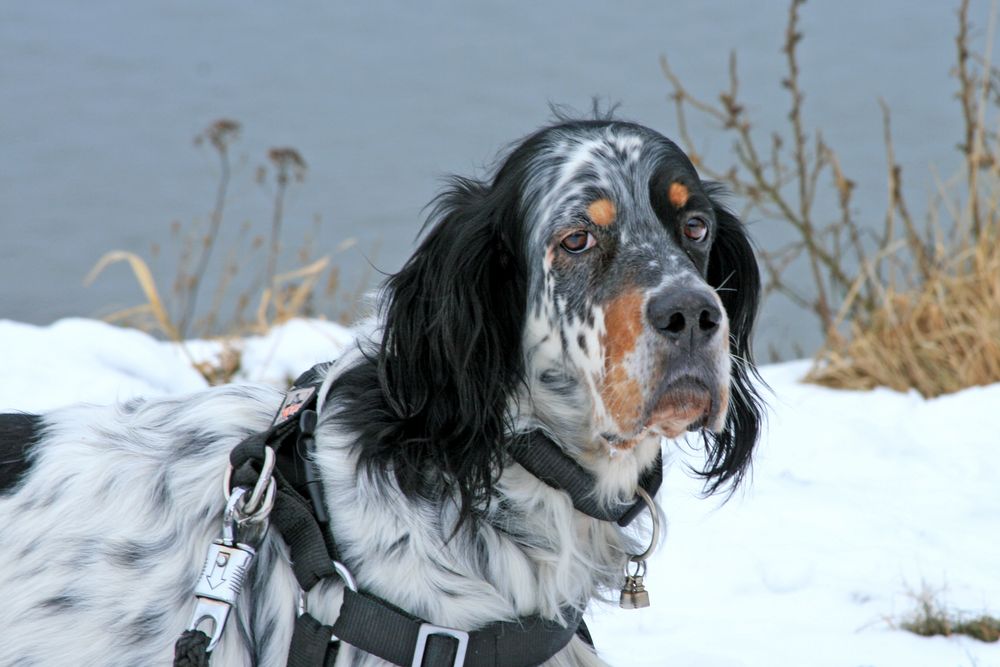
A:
{"points": [[634, 594]]}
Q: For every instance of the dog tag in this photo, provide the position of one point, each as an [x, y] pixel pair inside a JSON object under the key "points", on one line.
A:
{"points": [[634, 594]]}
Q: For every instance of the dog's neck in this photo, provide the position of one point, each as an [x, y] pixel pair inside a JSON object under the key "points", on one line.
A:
{"points": [[526, 551], [615, 470], [543, 458], [523, 550]]}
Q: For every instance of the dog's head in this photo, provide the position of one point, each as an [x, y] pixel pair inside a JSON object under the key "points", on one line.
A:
{"points": [[594, 288]]}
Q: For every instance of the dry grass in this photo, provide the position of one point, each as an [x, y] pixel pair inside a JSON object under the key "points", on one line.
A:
{"points": [[932, 618], [938, 338], [907, 306], [935, 326], [223, 368], [153, 306], [271, 298]]}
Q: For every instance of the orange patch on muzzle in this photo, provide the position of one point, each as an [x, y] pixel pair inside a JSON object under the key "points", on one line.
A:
{"points": [[621, 393]]}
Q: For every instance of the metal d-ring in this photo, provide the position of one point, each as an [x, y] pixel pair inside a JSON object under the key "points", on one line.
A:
{"points": [[302, 601], [638, 558], [345, 575], [349, 582], [640, 569], [253, 509]]}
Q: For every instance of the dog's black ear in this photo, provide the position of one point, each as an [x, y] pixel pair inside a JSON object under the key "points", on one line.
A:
{"points": [[451, 357], [733, 272]]}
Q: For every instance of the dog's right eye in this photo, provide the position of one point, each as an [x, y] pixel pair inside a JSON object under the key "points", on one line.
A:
{"points": [[696, 229], [578, 242]]}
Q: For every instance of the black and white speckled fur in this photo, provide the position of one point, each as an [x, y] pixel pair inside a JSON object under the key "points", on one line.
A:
{"points": [[491, 329]]}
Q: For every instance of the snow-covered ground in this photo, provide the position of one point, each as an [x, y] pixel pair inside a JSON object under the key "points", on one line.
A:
{"points": [[857, 499]]}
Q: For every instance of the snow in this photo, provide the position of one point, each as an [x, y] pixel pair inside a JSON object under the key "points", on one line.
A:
{"points": [[857, 500], [77, 360]]}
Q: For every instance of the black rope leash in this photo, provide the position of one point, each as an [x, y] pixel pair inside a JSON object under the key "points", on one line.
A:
{"points": [[191, 649]]}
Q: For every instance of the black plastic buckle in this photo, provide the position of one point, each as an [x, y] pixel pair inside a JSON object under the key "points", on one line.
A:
{"points": [[305, 449]]}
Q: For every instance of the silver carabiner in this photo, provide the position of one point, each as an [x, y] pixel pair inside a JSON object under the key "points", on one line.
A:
{"points": [[221, 579], [261, 499]]}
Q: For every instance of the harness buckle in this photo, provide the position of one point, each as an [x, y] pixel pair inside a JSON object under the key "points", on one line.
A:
{"points": [[427, 630]]}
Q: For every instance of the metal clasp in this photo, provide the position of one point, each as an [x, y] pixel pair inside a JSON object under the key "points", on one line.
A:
{"points": [[427, 630], [261, 501], [226, 566]]}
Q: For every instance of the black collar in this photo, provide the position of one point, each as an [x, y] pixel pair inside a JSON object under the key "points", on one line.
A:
{"points": [[548, 462]]}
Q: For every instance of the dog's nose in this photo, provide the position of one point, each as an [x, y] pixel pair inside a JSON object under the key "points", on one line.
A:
{"points": [[685, 314]]}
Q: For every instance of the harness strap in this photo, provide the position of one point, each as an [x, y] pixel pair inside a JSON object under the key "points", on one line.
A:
{"points": [[527, 641], [374, 625], [311, 644], [544, 459], [292, 516]]}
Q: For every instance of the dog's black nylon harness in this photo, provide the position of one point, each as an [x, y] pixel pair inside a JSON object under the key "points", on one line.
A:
{"points": [[365, 621]]}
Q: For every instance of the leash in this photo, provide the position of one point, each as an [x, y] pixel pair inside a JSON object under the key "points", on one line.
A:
{"points": [[272, 480]]}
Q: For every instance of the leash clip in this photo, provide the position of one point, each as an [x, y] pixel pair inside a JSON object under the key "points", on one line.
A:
{"points": [[221, 579]]}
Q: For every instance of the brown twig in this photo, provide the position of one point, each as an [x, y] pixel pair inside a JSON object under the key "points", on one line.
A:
{"points": [[220, 134], [966, 97], [288, 162], [897, 201]]}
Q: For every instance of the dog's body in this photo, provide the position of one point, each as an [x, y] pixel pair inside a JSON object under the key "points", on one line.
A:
{"points": [[574, 294]]}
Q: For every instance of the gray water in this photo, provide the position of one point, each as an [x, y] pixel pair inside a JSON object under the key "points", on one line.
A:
{"points": [[101, 100]]}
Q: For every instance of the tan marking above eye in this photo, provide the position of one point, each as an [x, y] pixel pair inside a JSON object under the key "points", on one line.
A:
{"points": [[678, 194], [602, 212]]}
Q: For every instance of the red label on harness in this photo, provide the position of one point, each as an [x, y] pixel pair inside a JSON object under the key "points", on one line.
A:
{"points": [[294, 401]]}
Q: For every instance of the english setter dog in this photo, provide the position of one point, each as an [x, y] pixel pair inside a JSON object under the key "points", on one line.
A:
{"points": [[593, 289]]}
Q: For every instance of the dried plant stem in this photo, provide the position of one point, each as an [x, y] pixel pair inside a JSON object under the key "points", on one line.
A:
{"points": [[287, 161], [763, 180], [897, 203], [966, 96], [220, 134], [804, 176], [282, 297], [274, 247]]}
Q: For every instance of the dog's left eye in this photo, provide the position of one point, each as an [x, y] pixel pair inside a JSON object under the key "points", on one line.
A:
{"points": [[696, 229], [578, 242]]}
